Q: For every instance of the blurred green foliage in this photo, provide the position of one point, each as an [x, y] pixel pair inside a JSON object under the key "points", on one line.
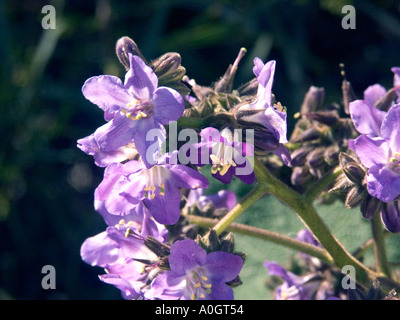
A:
{"points": [[47, 184]]}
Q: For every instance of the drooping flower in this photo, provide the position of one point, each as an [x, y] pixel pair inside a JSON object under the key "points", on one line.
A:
{"points": [[379, 150], [124, 186], [268, 119], [133, 108], [119, 249], [195, 274], [226, 155]]}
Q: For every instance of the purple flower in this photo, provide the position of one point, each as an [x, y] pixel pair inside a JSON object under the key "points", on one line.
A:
{"points": [[269, 116], [294, 287], [115, 250], [124, 186], [379, 149], [195, 274], [226, 156], [132, 108], [102, 158]]}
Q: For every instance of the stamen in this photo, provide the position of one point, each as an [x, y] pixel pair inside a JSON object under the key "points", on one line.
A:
{"points": [[204, 278], [193, 296], [197, 285]]}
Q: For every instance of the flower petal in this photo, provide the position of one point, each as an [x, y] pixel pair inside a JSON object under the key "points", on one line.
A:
{"points": [[371, 151], [391, 128], [185, 177], [115, 134], [168, 105], [373, 93], [383, 183], [366, 118], [165, 209], [185, 255], [99, 250], [140, 80], [107, 92], [223, 266]]}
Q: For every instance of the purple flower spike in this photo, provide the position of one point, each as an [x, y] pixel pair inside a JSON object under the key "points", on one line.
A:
{"points": [[195, 274], [380, 153], [133, 107], [227, 156], [125, 186]]}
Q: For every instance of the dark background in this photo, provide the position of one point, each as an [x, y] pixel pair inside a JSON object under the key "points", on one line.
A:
{"points": [[47, 184]]}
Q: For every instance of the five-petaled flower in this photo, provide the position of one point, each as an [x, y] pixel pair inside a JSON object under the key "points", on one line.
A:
{"points": [[195, 274], [226, 155], [132, 108], [126, 185]]}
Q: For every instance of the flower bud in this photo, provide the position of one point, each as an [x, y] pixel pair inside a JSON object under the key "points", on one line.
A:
{"points": [[307, 135], [300, 175], [385, 102], [316, 157], [331, 155], [348, 95], [354, 173], [168, 67], [329, 117], [124, 46], [299, 155], [370, 206], [312, 100], [355, 196]]}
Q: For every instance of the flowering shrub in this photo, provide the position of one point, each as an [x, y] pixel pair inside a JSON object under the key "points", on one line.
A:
{"points": [[167, 238]]}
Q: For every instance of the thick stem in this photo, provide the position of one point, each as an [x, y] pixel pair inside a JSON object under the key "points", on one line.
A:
{"points": [[270, 236], [237, 210], [382, 265], [312, 221]]}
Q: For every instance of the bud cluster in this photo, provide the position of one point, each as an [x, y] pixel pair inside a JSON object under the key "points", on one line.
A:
{"points": [[320, 135]]}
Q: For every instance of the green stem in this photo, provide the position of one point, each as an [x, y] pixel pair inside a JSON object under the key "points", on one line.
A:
{"points": [[238, 209], [307, 214], [310, 195], [270, 236], [382, 265]]}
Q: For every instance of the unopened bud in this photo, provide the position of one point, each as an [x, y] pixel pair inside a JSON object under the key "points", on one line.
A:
{"points": [[299, 155], [315, 157], [329, 117], [306, 135], [124, 46], [312, 100], [355, 196], [300, 175], [348, 95], [331, 155], [370, 206], [228, 243], [354, 173], [168, 67], [385, 102], [345, 158]]}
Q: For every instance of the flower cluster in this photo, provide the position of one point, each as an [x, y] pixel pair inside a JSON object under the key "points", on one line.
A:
{"points": [[145, 189], [166, 139]]}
